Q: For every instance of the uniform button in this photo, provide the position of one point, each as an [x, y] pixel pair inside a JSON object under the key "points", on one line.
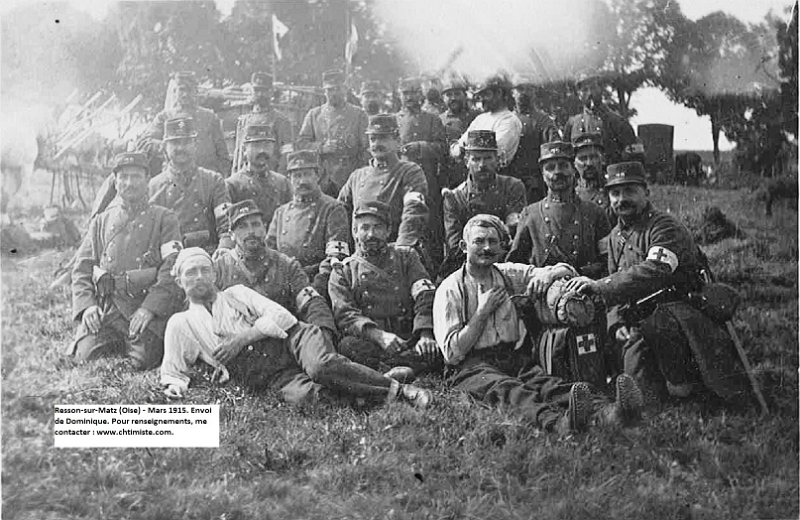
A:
{"points": [[547, 206], [575, 237], [576, 222], [547, 250], [250, 348], [283, 232], [305, 245], [575, 253], [397, 288], [547, 219]]}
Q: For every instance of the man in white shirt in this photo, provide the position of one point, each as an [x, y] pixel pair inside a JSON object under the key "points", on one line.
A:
{"points": [[495, 97], [263, 343], [482, 338]]}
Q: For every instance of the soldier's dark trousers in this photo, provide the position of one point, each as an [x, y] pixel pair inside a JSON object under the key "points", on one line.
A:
{"points": [[146, 351], [658, 354], [372, 355], [504, 377], [306, 368]]}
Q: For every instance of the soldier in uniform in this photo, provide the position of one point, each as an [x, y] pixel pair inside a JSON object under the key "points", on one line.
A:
{"points": [[589, 162], [495, 97], [336, 131], [537, 129], [382, 298], [264, 113], [617, 135], [676, 349], [212, 153], [253, 263], [197, 196], [122, 290], [313, 226], [255, 181], [264, 343], [422, 139], [561, 227], [484, 191], [372, 97], [400, 184], [455, 119]]}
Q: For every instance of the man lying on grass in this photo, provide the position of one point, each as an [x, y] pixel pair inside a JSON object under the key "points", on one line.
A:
{"points": [[483, 341], [263, 343]]}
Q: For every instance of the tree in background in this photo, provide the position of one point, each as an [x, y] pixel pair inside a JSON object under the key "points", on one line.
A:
{"points": [[161, 37]]}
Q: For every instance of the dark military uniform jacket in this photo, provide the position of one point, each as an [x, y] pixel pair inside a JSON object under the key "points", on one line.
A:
{"points": [[137, 248], [212, 152], [310, 230], [454, 126], [347, 126], [653, 252], [552, 231], [537, 129], [281, 128], [392, 293], [391, 186], [268, 191], [199, 198], [279, 278], [615, 132], [594, 194], [505, 198], [428, 128]]}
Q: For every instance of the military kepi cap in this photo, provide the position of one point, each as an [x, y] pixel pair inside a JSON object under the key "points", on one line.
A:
{"points": [[242, 209], [556, 150], [625, 173], [376, 208], [454, 84], [382, 124], [302, 159], [410, 85], [584, 140], [131, 159], [371, 86], [179, 128], [185, 77], [258, 133], [332, 78], [261, 80], [481, 140]]}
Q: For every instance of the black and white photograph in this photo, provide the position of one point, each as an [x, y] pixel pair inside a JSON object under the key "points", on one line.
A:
{"points": [[399, 259]]}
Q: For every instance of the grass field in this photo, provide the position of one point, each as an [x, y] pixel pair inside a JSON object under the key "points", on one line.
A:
{"points": [[456, 460]]}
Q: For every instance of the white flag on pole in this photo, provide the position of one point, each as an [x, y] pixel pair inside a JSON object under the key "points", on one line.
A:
{"points": [[279, 30]]}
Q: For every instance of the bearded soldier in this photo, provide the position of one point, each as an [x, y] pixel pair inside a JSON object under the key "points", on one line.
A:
{"points": [[382, 297]]}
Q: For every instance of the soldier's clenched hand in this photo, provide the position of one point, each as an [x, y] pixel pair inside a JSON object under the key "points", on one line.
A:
{"points": [[427, 348], [489, 301], [228, 348], [139, 322], [91, 318]]}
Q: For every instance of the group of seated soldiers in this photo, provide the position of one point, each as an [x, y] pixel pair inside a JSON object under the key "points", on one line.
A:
{"points": [[269, 280]]}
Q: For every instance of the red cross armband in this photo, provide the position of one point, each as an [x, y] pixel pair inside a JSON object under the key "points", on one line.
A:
{"points": [[664, 256], [337, 248], [304, 297], [420, 286]]}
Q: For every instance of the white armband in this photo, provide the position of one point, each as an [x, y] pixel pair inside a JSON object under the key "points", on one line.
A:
{"points": [[663, 255], [168, 248], [420, 286]]}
